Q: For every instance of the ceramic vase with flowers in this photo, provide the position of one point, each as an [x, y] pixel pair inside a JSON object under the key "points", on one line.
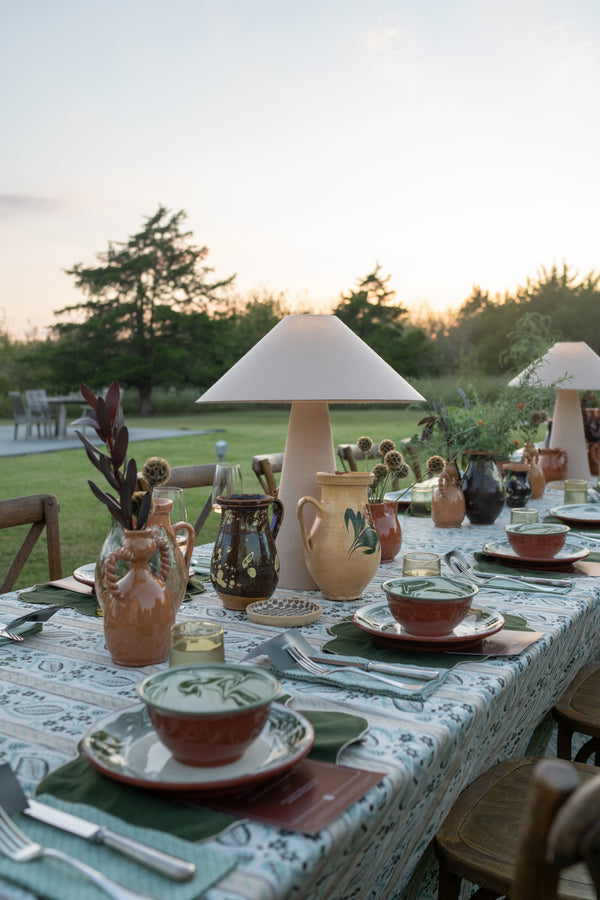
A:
{"points": [[384, 513], [138, 608]]}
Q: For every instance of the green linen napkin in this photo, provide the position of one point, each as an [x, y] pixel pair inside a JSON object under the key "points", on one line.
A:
{"points": [[58, 882], [357, 680], [26, 629], [55, 596], [352, 641], [78, 782]]}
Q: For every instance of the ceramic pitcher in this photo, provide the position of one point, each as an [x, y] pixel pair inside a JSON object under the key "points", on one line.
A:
{"points": [[553, 461], [244, 565], [180, 557], [138, 607], [342, 550]]}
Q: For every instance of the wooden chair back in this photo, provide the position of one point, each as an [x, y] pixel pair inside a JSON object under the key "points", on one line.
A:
{"points": [[192, 477], [265, 466], [561, 827], [349, 453], [40, 511]]}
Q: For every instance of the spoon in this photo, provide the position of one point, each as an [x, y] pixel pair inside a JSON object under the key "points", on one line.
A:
{"points": [[460, 566]]}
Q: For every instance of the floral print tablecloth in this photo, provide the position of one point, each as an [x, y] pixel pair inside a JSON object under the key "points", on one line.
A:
{"points": [[61, 681]]}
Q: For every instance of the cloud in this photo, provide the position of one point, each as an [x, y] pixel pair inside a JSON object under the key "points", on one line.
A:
{"points": [[14, 204]]}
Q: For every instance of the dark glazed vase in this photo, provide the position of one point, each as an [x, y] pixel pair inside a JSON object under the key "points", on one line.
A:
{"points": [[244, 565], [483, 489], [387, 526], [517, 484]]}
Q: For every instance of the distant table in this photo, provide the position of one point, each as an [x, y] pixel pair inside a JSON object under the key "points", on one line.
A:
{"points": [[61, 402]]}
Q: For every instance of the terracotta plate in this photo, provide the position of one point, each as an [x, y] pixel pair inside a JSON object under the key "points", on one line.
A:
{"points": [[284, 612], [377, 620], [124, 746], [85, 574], [570, 553]]}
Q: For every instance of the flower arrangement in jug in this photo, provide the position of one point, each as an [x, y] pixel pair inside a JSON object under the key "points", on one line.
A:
{"points": [[129, 506], [393, 466]]}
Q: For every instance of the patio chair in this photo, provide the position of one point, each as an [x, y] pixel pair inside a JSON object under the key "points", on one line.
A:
{"points": [[349, 453], [38, 403], [505, 828], [265, 467], [192, 477], [577, 711], [23, 415], [40, 511]]}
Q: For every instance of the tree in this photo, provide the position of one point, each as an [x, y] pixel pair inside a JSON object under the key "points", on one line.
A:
{"points": [[139, 300], [371, 313]]}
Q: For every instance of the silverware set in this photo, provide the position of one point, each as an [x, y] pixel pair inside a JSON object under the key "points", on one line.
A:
{"points": [[459, 565]]}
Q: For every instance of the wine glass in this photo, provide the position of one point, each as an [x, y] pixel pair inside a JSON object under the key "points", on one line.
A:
{"points": [[227, 481], [178, 512]]}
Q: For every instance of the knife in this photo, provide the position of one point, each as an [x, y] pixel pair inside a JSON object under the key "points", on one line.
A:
{"points": [[529, 579], [14, 800], [165, 863], [386, 668]]}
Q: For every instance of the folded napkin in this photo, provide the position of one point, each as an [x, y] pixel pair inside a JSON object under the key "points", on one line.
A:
{"points": [[78, 782], [484, 563], [56, 596], [356, 680], [58, 882], [26, 629], [352, 641]]}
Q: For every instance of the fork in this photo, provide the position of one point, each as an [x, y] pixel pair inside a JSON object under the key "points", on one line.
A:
{"points": [[11, 635], [317, 669], [16, 845]]}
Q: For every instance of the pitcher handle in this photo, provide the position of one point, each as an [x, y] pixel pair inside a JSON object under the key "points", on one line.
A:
{"points": [[191, 540], [277, 517], [301, 521]]}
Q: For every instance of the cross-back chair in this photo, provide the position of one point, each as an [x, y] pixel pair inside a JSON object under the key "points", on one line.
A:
{"points": [[349, 453], [265, 466], [577, 711], [39, 511], [502, 835]]}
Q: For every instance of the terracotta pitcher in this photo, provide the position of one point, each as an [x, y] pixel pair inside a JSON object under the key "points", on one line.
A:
{"points": [[342, 551], [244, 565], [180, 555], [138, 607], [554, 463], [448, 500], [531, 456], [387, 526]]}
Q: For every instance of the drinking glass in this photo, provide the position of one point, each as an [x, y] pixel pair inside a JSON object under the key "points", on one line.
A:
{"points": [[227, 481], [421, 499], [421, 564], [575, 490], [178, 512], [196, 642], [519, 515]]}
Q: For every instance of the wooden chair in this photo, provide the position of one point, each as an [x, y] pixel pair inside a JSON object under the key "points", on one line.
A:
{"points": [[193, 477], [40, 511], [349, 453], [496, 833], [38, 403], [265, 467], [577, 711]]}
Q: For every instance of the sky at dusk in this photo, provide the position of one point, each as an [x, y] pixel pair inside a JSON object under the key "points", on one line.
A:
{"points": [[455, 143]]}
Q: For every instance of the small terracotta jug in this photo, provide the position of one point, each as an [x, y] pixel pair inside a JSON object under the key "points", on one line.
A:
{"points": [[387, 526], [342, 551], [531, 456], [554, 463], [244, 565], [138, 607], [180, 557], [448, 500]]}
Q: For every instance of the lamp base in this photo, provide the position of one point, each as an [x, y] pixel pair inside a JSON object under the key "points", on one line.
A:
{"points": [[308, 450], [567, 432]]}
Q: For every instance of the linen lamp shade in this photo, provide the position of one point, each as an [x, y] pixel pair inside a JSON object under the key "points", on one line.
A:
{"points": [[572, 366], [308, 361]]}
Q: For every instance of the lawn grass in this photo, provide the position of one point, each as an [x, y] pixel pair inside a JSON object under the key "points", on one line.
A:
{"points": [[84, 521]]}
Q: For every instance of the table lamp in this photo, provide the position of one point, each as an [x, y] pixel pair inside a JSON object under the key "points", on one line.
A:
{"points": [[572, 366], [308, 361]]}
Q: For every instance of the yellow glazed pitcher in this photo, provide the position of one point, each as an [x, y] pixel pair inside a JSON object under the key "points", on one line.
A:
{"points": [[342, 550]]}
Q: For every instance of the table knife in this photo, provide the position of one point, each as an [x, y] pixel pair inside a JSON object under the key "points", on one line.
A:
{"points": [[171, 866], [529, 579], [385, 668]]}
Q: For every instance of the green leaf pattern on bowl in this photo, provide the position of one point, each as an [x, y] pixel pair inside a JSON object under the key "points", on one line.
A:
{"points": [[210, 691]]}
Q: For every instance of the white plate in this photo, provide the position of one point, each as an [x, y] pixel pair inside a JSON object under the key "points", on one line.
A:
{"points": [[125, 746], [588, 513], [85, 574], [377, 619]]}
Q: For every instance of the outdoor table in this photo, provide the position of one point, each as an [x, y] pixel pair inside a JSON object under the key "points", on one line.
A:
{"points": [[61, 402], [59, 682]]}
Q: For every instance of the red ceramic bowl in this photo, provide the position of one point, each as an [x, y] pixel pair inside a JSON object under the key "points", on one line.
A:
{"points": [[537, 540], [208, 715], [431, 606]]}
